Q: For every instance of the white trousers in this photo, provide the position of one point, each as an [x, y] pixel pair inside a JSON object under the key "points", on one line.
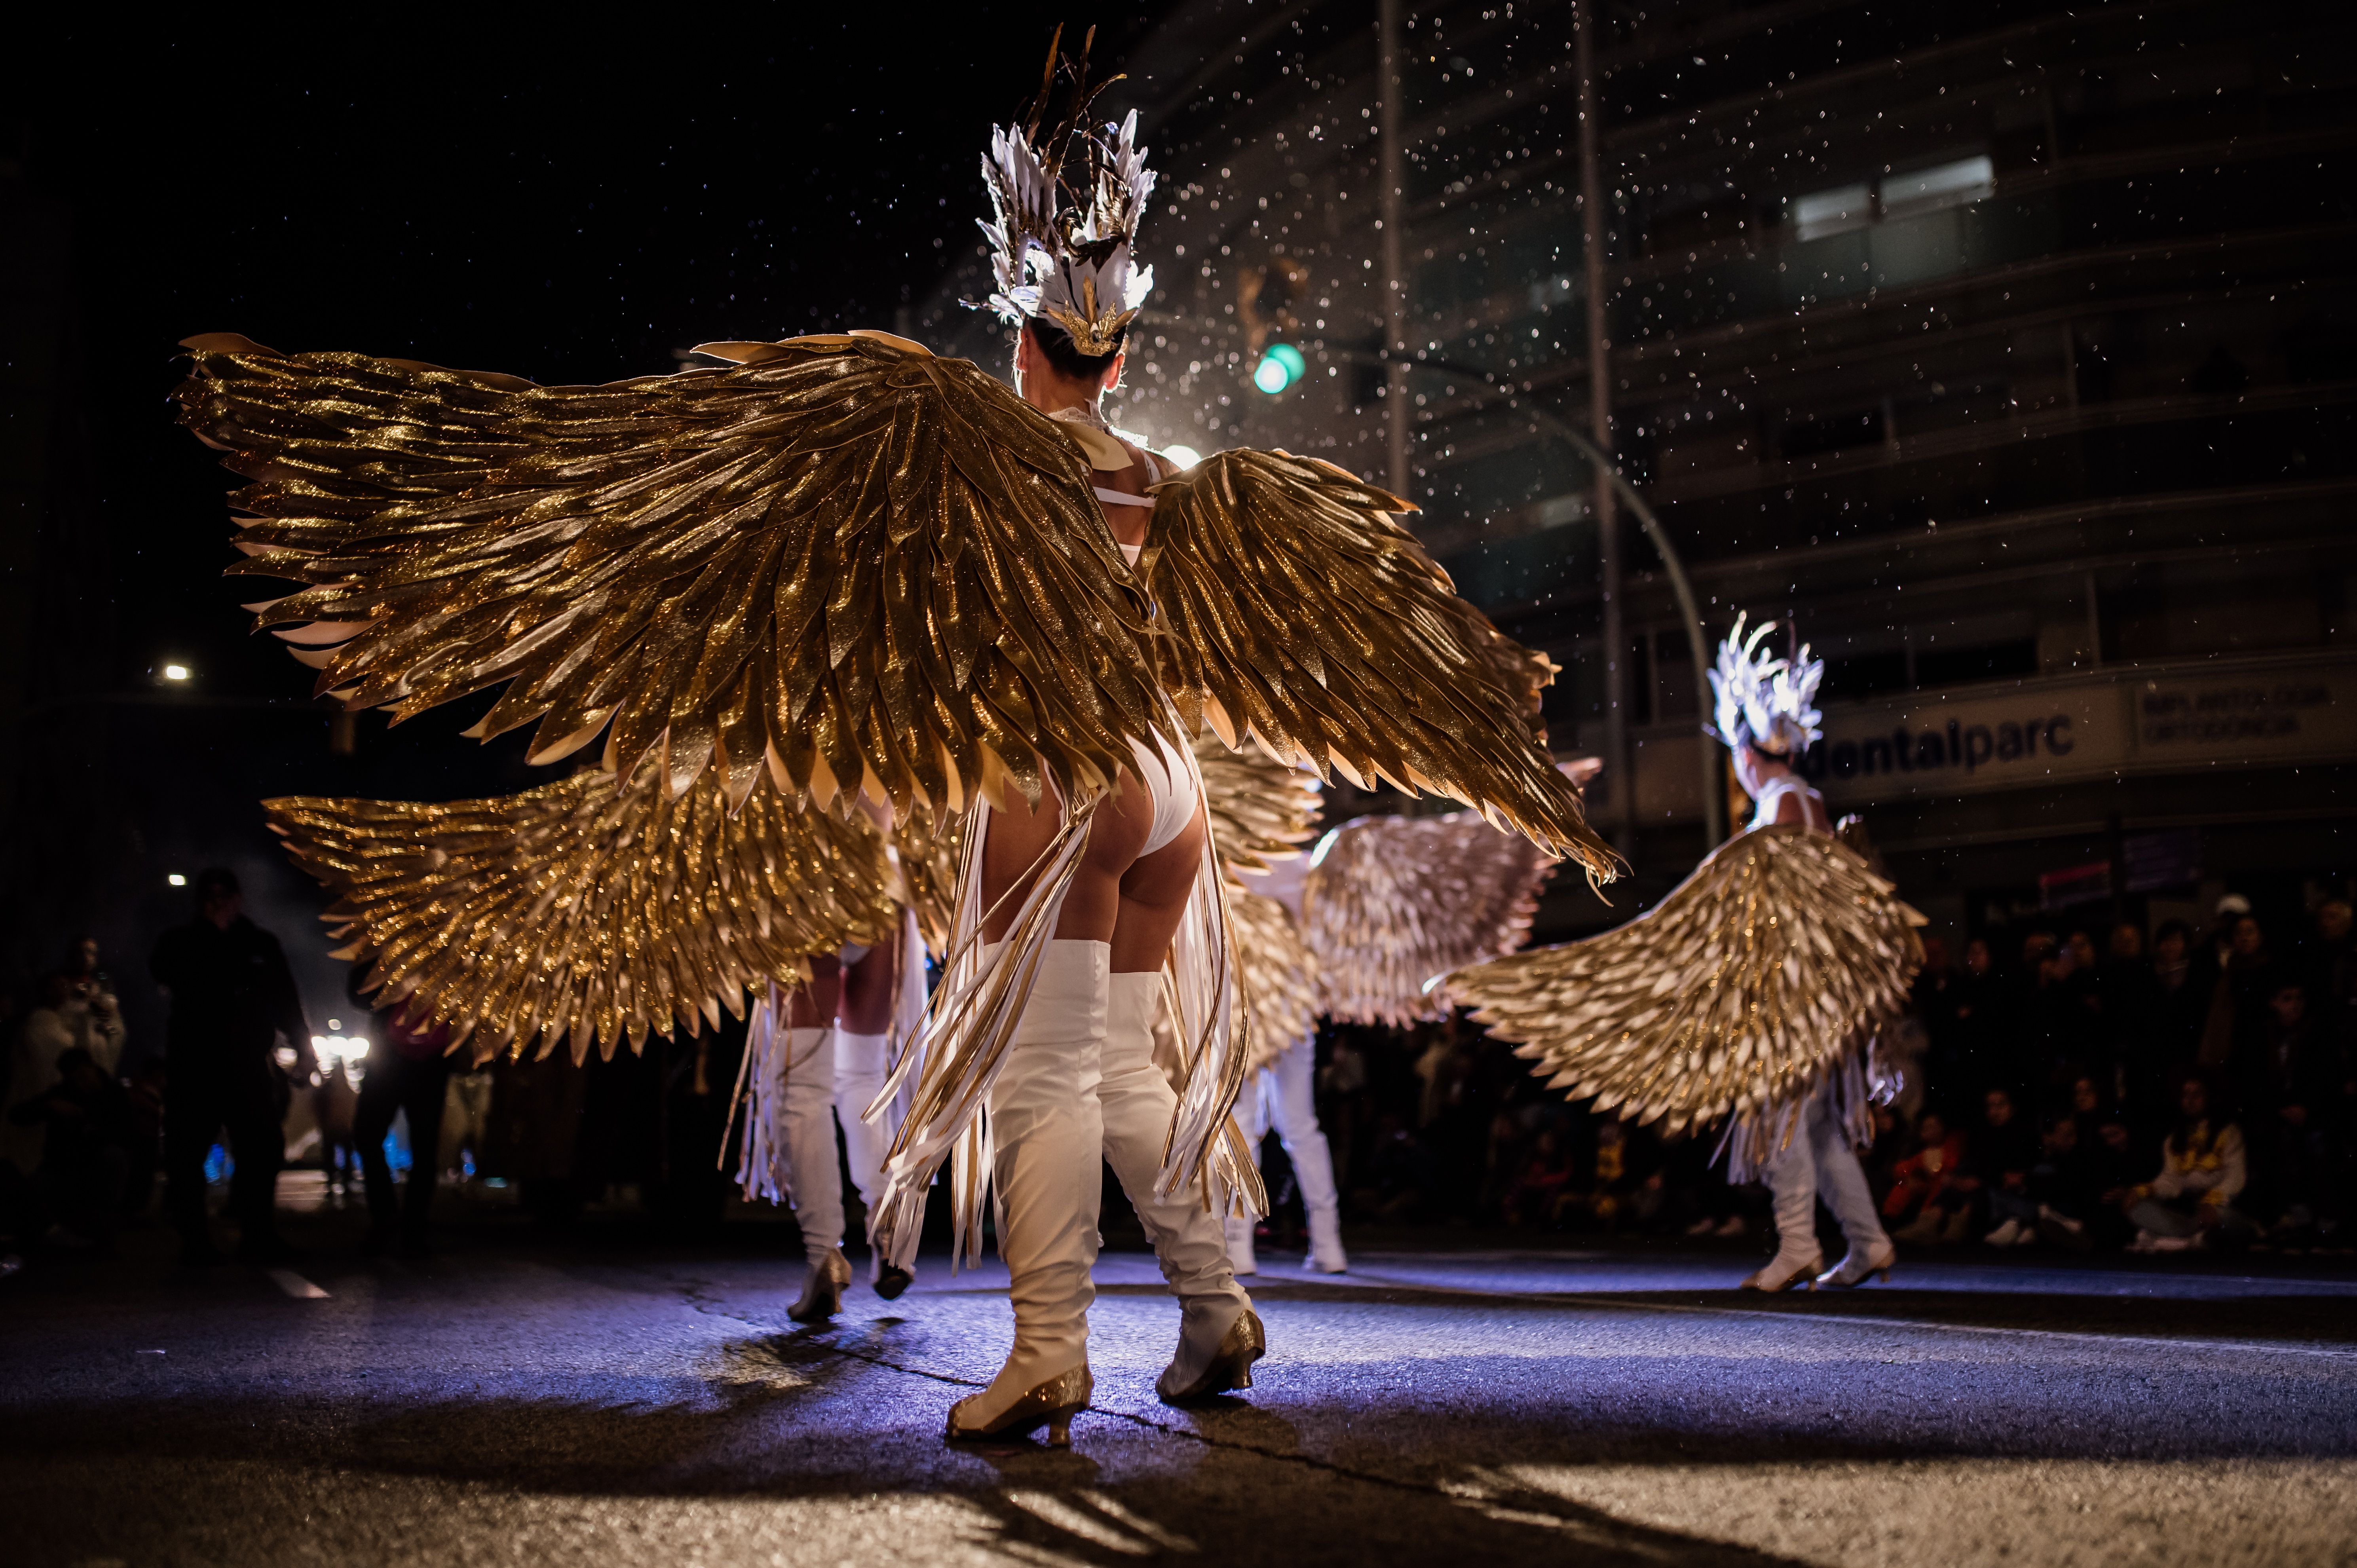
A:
{"points": [[1283, 1096], [1820, 1163], [832, 1075]]}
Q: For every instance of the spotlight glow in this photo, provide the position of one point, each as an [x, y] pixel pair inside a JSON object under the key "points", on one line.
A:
{"points": [[175, 672], [1185, 457], [174, 879]]}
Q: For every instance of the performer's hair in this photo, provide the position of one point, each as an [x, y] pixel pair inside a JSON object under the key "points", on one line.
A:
{"points": [[1056, 345]]}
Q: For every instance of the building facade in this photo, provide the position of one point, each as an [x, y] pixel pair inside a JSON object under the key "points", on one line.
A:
{"points": [[2007, 351]]}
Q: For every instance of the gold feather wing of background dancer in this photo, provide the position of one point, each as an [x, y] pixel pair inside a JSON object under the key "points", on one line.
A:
{"points": [[1301, 615], [841, 561], [1776, 960], [582, 911], [1395, 902], [929, 844], [1261, 810]]}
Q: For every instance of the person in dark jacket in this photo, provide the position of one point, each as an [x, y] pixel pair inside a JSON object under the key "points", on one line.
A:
{"points": [[408, 1070], [232, 996]]}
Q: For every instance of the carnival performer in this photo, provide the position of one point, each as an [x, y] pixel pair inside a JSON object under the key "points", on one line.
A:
{"points": [[840, 567], [1754, 991], [818, 1052]]}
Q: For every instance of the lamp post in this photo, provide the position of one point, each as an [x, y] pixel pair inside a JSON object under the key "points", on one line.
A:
{"points": [[1714, 799]]}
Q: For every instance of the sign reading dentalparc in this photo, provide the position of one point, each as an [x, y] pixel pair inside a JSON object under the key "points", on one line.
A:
{"points": [[2259, 712]]}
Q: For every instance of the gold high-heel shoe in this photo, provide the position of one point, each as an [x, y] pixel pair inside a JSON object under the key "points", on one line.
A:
{"points": [[1052, 1405], [822, 1291], [1246, 1342], [1778, 1276]]}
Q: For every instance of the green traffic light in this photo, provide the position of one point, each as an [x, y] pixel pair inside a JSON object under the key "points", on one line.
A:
{"points": [[1279, 369]]}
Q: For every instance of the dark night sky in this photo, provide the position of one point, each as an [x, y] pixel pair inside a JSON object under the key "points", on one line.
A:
{"points": [[572, 201]]}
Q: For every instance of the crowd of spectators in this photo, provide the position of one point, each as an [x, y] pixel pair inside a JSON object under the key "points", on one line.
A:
{"points": [[2086, 1089]]}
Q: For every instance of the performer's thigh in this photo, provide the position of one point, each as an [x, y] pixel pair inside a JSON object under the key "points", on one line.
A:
{"points": [[870, 987]]}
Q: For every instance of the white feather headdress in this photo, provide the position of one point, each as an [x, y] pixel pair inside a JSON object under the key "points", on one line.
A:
{"points": [[1061, 246], [1770, 704]]}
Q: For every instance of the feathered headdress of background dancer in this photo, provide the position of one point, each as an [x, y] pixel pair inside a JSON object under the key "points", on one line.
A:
{"points": [[1060, 248], [1768, 704]]}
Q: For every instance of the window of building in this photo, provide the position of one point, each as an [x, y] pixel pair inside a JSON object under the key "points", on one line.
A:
{"points": [[1956, 183], [1833, 211]]}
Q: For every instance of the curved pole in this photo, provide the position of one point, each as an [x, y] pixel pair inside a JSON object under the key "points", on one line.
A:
{"points": [[1714, 794]]}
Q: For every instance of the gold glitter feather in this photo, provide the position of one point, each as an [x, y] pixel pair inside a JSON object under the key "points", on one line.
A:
{"points": [[579, 912], [1278, 974], [1302, 615], [1394, 903], [1763, 975], [842, 563]]}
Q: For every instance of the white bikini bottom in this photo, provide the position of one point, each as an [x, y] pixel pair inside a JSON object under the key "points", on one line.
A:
{"points": [[1170, 785]]}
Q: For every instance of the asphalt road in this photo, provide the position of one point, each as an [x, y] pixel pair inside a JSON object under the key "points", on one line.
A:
{"points": [[519, 1400]]}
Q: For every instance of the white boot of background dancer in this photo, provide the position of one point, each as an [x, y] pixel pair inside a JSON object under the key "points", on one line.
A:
{"points": [[1048, 1142], [1287, 1099], [1220, 1336], [807, 1100], [859, 1071]]}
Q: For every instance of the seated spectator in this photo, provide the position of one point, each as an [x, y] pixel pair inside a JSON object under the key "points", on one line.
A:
{"points": [[1542, 1183], [2203, 1168], [1621, 1184], [2114, 1168], [2003, 1153], [1399, 1173], [83, 1157], [1922, 1183], [2067, 1184], [2293, 1089]]}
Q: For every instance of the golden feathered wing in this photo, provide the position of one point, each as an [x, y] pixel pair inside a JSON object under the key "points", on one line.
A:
{"points": [[842, 563], [1301, 616], [1766, 971], [1259, 811], [1393, 903], [582, 911]]}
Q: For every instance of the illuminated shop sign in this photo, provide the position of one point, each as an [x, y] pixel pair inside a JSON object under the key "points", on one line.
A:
{"points": [[2258, 713]]}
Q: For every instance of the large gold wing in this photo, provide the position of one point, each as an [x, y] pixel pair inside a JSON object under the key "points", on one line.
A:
{"points": [[582, 911], [1303, 617], [842, 562], [1764, 972], [1393, 903]]}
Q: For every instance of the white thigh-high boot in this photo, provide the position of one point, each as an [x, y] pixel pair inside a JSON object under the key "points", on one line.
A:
{"points": [[808, 1103], [858, 1080], [1252, 1120], [1792, 1177], [1220, 1336], [1048, 1141], [1289, 1089], [1852, 1201]]}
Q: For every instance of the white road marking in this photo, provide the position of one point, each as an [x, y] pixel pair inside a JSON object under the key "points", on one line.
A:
{"points": [[296, 1285]]}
